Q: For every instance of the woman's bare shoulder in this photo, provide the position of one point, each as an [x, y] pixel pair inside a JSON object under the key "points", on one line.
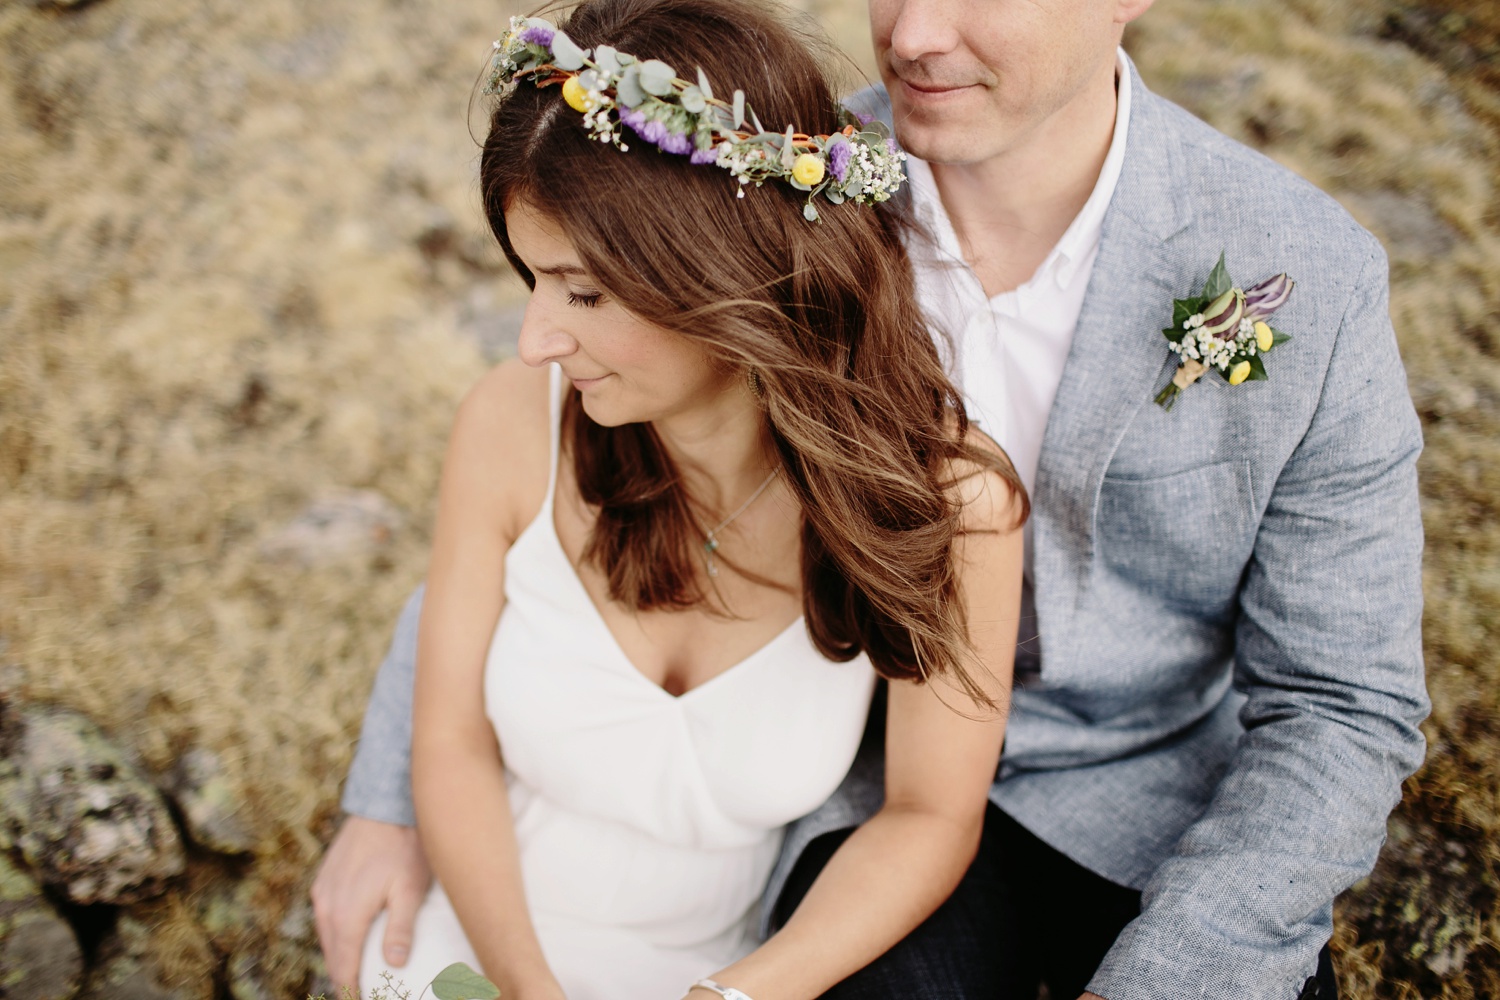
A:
{"points": [[499, 452], [991, 499]]}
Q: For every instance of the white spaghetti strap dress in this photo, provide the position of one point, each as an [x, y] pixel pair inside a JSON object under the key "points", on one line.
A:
{"points": [[647, 823]]}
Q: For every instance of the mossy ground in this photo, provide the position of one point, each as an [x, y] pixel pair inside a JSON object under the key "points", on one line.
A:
{"points": [[241, 263]]}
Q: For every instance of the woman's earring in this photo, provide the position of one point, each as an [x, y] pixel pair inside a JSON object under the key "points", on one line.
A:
{"points": [[757, 387]]}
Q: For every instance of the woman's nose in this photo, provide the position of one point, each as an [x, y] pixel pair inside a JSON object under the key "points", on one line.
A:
{"points": [[542, 338]]}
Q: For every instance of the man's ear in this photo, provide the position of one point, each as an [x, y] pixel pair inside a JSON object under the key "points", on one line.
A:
{"points": [[1128, 10]]}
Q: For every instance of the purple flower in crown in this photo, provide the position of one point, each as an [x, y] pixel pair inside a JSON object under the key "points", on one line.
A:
{"points": [[839, 155], [700, 157], [676, 142], [864, 119], [635, 119], [537, 36], [653, 132]]}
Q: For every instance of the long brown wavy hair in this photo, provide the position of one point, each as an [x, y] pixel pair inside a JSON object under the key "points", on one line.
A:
{"points": [[869, 429]]}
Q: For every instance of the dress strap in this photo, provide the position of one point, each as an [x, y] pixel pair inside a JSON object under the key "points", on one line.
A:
{"points": [[557, 394]]}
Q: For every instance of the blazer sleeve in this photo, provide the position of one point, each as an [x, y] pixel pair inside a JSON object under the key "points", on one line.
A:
{"points": [[379, 785], [1328, 650]]}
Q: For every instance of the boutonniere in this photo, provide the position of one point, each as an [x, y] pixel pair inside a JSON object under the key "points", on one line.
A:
{"points": [[1225, 329]]}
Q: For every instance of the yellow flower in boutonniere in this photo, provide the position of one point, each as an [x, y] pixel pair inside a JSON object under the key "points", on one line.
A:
{"points": [[1224, 328], [1264, 338], [808, 169]]}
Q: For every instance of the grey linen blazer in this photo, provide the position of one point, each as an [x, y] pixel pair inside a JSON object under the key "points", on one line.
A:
{"points": [[1220, 679]]}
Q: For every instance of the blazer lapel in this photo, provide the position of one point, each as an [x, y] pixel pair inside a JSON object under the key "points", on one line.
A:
{"points": [[1117, 362]]}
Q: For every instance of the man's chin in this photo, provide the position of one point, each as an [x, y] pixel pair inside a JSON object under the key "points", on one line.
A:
{"points": [[950, 145], [949, 138]]}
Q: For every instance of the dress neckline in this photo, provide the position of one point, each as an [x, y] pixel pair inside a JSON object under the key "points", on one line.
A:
{"points": [[548, 522], [619, 651]]}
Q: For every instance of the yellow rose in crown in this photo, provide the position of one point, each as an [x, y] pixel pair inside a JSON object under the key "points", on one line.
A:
{"points": [[808, 169]]}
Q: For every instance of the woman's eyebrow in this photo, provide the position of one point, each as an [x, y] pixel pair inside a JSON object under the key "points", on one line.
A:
{"points": [[562, 269]]}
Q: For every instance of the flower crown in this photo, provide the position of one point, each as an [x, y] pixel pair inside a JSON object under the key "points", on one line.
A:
{"points": [[859, 163]]}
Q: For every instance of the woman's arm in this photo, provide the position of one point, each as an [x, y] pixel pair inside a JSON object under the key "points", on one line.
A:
{"points": [[942, 750], [494, 472]]}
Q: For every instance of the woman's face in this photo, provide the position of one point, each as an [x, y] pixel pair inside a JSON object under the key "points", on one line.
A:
{"points": [[626, 370]]}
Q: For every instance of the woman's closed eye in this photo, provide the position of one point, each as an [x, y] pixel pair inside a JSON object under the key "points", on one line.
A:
{"points": [[586, 299]]}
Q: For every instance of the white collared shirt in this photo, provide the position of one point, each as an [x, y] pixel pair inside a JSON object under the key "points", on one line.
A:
{"points": [[1009, 350]]}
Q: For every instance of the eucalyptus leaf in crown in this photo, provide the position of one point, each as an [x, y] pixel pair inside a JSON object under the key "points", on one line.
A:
{"points": [[614, 89]]}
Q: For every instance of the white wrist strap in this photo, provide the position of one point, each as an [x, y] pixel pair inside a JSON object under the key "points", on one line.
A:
{"points": [[727, 992]]}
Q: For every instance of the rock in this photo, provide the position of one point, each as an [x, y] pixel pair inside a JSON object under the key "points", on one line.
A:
{"points": [[39, 956], [334, 527], [222, 911], [210, 802], [127, 968], [269, 972], [84, 818], [247, 978]]}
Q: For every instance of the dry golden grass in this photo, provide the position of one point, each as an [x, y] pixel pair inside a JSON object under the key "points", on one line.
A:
{"points": [[238, 253]]}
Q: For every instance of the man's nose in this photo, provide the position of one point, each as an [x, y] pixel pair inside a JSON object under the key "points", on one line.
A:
{"points": [[922, 27], [542, 339]]}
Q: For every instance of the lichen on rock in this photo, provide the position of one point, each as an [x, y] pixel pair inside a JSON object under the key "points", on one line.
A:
{"points": [[83, 817], [39, 955]]}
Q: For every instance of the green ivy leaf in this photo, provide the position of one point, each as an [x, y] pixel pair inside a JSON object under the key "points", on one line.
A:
{"points": [[1257, 371], [459, 982], [1174, 334], [1218, 281], [1277, 337]]}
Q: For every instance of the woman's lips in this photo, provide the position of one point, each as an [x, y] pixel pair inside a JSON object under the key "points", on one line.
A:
{"points": [[583, 383]]}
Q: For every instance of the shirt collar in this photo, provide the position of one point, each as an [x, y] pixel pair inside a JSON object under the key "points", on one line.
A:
{"points": [[1082, 235]]}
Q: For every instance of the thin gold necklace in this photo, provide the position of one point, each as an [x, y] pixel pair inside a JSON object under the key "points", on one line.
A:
{"points": [[711, 541]]}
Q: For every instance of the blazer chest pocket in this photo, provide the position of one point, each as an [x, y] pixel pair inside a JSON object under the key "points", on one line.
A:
{"points": [[1184, 538]]}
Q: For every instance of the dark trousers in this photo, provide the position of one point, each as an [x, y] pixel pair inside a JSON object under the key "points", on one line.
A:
{"points": [[1023, 916]]}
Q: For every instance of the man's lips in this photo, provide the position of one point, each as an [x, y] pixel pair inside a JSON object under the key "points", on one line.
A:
{"points": [[924, 90], [935, 88]]}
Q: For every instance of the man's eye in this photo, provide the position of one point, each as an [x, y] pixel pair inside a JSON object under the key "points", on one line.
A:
{"points": [[588, 299]]}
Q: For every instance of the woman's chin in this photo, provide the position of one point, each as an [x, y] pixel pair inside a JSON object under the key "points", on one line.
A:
{"points": [[607, 414]]}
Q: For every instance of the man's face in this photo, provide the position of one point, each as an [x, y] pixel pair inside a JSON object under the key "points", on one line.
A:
{"points": [[974, 79]]}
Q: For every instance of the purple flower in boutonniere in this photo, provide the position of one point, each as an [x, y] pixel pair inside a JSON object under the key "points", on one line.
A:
{"points": [[1224, 328]]}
